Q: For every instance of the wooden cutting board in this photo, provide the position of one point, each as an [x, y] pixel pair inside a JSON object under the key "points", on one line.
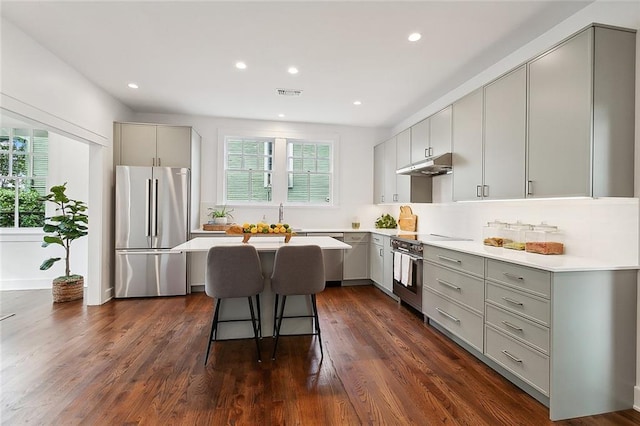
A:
{"points": [[407, 221]]}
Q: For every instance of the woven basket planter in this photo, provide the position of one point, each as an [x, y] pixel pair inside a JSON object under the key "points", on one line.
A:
{"points": [[66, 289]]}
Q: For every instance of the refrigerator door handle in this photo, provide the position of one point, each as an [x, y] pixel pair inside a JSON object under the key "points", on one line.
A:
{"points": [[147, 206], [155, 208]]}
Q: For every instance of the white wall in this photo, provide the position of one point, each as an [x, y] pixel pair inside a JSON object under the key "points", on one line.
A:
{"points": [[41, 89], [354, 169], [21, 252]]}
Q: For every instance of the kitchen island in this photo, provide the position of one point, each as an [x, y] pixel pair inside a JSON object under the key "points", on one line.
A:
{"points": [[238, 308]]}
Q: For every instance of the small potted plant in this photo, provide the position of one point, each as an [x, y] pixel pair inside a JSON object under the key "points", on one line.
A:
{"points": [[68, 224], [220, 216]]}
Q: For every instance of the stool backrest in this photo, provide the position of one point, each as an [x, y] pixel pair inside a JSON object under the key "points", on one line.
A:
{"points": [[298, 270], [233, 271]]}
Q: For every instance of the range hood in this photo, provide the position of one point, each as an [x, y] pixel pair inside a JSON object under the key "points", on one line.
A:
{"points": [[432, 166]]}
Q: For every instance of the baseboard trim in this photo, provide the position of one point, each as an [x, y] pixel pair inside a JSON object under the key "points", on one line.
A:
{"points": [[32, 284], [636, 398]]}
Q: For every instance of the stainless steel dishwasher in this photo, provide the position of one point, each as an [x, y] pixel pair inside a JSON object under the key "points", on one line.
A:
{"points": [[333, 259]]}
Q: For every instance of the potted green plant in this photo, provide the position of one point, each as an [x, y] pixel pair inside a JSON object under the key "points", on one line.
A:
{"points": [[220, 216], [68, 224]]}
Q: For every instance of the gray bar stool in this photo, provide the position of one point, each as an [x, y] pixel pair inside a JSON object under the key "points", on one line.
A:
{"points": [[297, 270], [234, 271]]}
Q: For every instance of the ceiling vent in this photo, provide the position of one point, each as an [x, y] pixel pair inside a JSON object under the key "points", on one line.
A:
{"points": [[289, 92]]}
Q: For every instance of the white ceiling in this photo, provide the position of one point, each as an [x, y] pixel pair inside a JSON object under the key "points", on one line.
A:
{"points": [[182, 54]]}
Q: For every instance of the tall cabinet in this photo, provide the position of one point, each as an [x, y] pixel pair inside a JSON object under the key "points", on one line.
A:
{"points": [[147, 144], [581, 116]]}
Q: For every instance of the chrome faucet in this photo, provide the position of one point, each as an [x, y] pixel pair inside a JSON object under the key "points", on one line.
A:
{"points": [[280, 213]]}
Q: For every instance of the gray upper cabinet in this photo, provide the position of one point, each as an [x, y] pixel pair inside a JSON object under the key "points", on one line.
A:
{"points": [[387, 156], [403, 159], [378, 174], [173, 146], [390, 194], [432, 136], [581, 116], [440, 132], [505, 114], [153, 145], [467, 147], [420, 144]]}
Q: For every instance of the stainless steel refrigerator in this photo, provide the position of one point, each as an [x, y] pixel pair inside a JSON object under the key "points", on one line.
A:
{"points": [[152, 216]]}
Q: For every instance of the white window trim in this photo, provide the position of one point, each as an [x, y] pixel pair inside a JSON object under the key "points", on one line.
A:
{"points": [[279, 190]]}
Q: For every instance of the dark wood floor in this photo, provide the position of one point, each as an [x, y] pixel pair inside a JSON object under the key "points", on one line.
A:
{"points": [[141, 362]]}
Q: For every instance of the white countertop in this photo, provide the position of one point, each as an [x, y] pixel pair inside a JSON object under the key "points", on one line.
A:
{"points": [[261, 243], [390, 232], [552, 263]]}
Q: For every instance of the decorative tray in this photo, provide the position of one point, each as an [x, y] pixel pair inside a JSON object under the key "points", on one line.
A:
{"points": [[261, 230]]}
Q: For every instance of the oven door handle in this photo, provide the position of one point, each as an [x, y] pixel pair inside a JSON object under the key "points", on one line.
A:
{"points": [[411, 255]]}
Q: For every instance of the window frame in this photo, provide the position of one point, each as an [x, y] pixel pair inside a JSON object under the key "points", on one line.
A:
{"points": [[279, 171], [30, 159]]}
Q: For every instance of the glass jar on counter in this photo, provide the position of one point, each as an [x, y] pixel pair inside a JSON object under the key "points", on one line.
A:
{"points": [[514, 235], [544, 239], [493, 233]]}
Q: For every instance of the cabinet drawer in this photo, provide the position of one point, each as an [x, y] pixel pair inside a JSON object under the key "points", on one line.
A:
{"points": [[377, 239], [528, 279], [462, 322], [455, 259], [462, 288], [523, 361], [534, 334], [530, 306], [356, 237]]}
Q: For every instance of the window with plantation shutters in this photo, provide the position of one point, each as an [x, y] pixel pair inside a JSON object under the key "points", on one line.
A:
{"points": [[24, 165], [264, 170], [308, 171], [248, 169]]}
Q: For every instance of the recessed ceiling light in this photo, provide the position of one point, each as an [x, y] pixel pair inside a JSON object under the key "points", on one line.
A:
{"points": [[281, 115], [415, 36], [357, 102], [241, 65], [132, 85], [293, 70]]}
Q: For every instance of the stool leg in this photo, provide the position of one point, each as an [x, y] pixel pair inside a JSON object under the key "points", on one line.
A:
{"points": [[317, 321], [255, 328], [275, 344], [259, 316], [275, 316], [214, 326]]}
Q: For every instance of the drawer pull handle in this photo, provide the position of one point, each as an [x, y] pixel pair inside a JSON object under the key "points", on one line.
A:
{"points": [[513, 302], [449, 259], [515, 358], [451, 317], [513, 277], [514, 327], [448, 284]]}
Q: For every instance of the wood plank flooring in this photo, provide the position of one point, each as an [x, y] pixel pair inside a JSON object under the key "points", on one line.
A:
{"points": [[141, 361]]}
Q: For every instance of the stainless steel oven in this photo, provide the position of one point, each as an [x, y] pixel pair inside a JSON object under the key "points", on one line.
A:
{"points": [[409, 291]]}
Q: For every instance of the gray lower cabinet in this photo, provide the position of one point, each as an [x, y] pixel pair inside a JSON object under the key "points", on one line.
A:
{"points": [[566, 338], [381, 262], [581, 116], [453, 293], [555, 333], [356, 259]]}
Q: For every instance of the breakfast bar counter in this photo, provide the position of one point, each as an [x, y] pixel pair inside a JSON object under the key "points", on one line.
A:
{"points": [[238, 308]]}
